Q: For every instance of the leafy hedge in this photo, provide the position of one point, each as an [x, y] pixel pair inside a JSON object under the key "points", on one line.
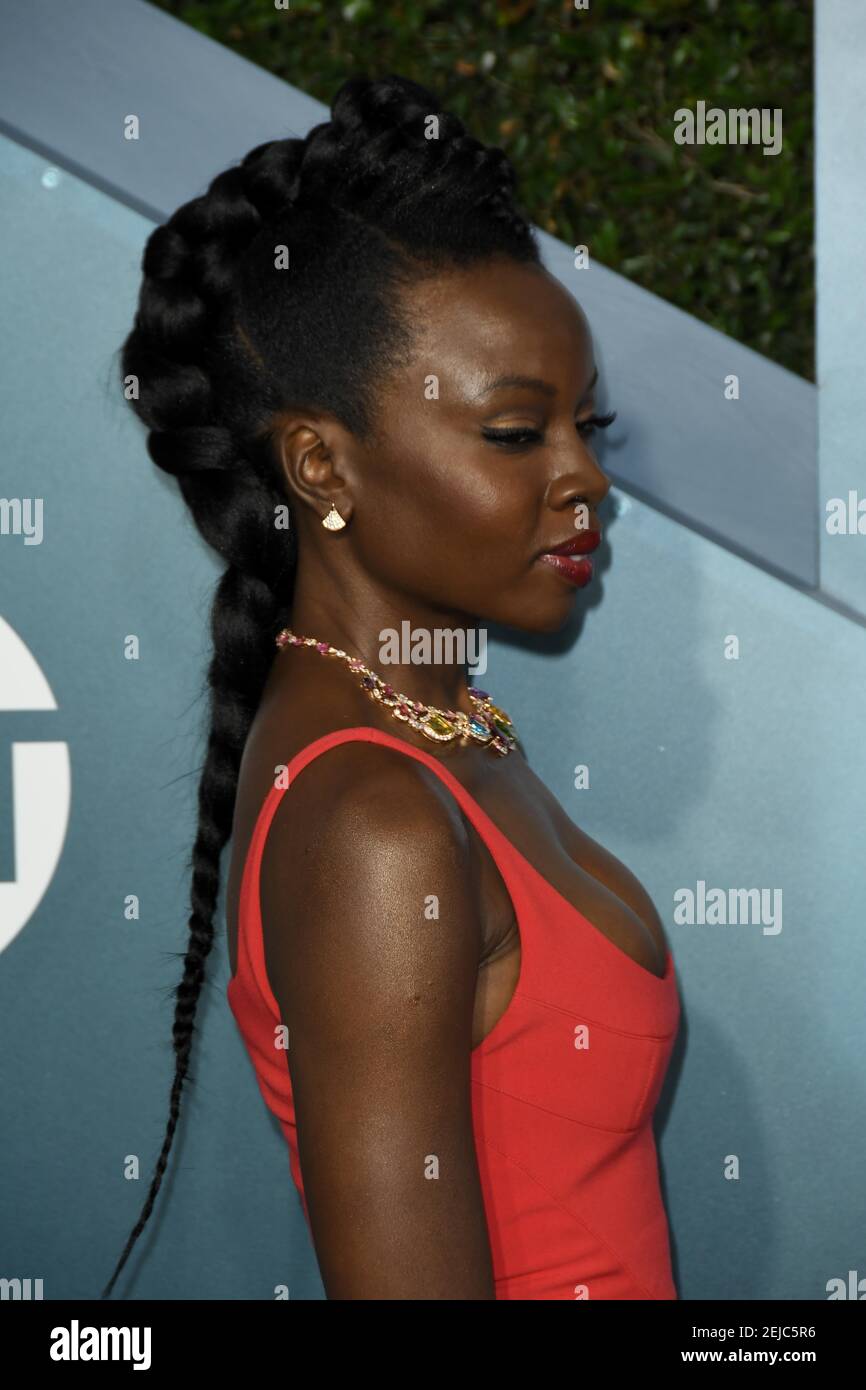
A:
{"points": [[583, 101]]}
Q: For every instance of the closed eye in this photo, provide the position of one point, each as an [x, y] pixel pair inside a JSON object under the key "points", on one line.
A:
{"points": [[595, 422], [521, 437]]}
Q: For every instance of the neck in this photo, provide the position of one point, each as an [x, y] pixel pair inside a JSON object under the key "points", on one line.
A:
{"points": [[422, 654]]}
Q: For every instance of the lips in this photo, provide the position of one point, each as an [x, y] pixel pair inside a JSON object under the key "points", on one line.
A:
{"points": [[563, 557], [579, 544]]}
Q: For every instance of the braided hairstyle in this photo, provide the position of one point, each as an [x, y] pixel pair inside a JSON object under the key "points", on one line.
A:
{"points": [[224, 337]]}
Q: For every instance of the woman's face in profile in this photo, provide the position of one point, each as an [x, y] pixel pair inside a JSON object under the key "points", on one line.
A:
{"points": [[445, 509]]}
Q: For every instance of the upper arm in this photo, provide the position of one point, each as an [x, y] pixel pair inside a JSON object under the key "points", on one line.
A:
{"points": [[373, 942]]}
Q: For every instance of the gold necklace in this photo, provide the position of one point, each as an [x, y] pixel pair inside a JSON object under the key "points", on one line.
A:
{"points": [[487, 724]]}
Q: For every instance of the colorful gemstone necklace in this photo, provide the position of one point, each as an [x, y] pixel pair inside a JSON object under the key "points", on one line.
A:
{"points": [[487, 724]]}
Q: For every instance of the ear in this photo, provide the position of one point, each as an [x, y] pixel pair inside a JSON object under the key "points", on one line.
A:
{"points": [[314, 457]]}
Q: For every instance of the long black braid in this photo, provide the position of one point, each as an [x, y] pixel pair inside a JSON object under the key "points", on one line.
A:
{"points": [[225, 336]]}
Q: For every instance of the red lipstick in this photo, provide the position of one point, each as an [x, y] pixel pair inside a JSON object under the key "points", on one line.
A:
{"points": [[562, 557]]}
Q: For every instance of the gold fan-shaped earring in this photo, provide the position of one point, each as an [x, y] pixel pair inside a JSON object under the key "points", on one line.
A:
{"points": [[333, 521]]}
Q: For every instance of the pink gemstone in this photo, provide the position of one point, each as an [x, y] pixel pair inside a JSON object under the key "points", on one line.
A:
{"points": [[389, 690], [322, 647]]}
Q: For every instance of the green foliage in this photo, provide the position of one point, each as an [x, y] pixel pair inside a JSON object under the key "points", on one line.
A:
{"points": [[583, 102]]}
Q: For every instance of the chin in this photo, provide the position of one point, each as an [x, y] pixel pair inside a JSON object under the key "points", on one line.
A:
{"points": [[548, 617]]}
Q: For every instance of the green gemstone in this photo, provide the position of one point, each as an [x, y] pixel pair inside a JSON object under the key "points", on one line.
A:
{"points": [[434, 726]]}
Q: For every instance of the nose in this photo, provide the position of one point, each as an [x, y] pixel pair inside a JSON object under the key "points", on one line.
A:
{"points": [[588, 484]]}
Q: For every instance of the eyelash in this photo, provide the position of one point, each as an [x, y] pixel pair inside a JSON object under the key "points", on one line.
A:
{"points": [[527, 436]]}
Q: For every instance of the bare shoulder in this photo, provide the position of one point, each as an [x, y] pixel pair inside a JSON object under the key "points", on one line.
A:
{"points": [[360, 825]]}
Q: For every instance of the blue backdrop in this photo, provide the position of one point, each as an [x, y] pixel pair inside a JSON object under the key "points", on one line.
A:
{"points": [[741, 773]]}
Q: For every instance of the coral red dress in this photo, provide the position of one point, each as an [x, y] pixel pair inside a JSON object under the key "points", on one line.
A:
{"points": [[563, 1088]]}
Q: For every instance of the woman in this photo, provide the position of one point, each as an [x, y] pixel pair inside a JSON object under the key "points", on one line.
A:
{"points": [[378, 406]]}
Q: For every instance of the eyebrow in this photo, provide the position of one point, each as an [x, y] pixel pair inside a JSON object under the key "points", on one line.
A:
{"points": [[531, 383]]}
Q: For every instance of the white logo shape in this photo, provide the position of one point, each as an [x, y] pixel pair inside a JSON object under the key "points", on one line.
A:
{"points": [[41, 786]]}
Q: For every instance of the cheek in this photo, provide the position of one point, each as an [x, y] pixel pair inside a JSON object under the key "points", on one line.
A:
{"points": [[449, 519], [492, 515], [458, 498]]}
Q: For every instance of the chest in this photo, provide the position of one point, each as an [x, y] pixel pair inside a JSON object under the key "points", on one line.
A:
{"points": [[586, 875]]}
